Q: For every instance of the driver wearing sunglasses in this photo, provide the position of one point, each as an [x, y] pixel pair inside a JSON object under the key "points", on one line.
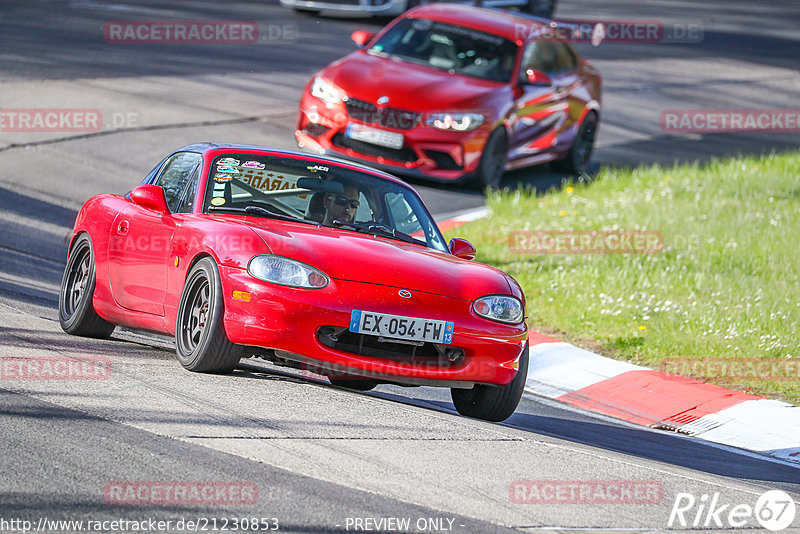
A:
{"points": [[341, 206]]}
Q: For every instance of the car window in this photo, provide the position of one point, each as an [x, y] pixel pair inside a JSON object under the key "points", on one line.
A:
{"points": [[449, 47], [187, 203], [175, 176], [343, 198], [549, 57]]}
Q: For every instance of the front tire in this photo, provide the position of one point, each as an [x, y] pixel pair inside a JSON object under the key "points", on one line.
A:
{"points": [[541, 8], [200, 339], [577, 159], [75, 308], [493, 159], [492, 403]]}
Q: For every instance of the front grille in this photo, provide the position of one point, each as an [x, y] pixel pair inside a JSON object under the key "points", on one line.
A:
{"points": [[413, 352], [443, 160], [397, 119], [404, 154], [315, 130]]}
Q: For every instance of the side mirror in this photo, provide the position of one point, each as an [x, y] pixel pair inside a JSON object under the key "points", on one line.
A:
{"points": [[462, 248], [150, 197], [537, 77], [361, 37]]}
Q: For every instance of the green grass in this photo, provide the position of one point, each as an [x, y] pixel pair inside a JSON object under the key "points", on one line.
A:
{"points": [[724, 288]]}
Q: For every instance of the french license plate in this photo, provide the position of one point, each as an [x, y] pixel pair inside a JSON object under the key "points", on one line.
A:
{"points": [[400, 327], [374, 136]]}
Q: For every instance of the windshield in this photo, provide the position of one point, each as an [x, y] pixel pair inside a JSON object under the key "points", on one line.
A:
{"points": [[320, 194], [448, 47]]}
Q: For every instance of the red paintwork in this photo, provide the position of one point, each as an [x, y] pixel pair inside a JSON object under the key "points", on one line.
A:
{"points": [[139, 284], [541, 120]]}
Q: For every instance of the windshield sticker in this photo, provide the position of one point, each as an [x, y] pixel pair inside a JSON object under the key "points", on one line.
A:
{"points": [[253, 165], [228, 161], [227, 168], [223, 177], [217, 201], [316, 168]]}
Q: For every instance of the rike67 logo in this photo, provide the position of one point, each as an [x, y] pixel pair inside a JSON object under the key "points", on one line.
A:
{"points": [[774, 510]]}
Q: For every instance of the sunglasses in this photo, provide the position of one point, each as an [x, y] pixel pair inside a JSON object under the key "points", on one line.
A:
{"points": [[344, 201]]}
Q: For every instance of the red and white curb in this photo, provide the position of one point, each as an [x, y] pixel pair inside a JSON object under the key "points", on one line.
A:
{"points": [[655, 399]]}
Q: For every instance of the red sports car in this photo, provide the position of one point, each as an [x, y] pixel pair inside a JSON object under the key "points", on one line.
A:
{"points": [[306, 261], [451, 92]]}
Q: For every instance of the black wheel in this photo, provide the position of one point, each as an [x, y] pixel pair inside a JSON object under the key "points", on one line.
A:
{"points": [[493, 159], [541, 8], [359, 384], [75, 309], [492, 403], [200, 339], [577, 159]]}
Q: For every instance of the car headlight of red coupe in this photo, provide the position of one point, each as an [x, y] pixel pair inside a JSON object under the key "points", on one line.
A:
{"points": [[286, 272], [326, 91], [460, 122], [501, 308]]}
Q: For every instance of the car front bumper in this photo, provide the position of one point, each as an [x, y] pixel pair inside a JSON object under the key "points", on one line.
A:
{"points": [[350, 7], [444, 156], [292, 322]]}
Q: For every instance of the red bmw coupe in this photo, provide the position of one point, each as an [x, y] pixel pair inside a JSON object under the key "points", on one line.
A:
{"points": [[451, 92], [305, 261]]}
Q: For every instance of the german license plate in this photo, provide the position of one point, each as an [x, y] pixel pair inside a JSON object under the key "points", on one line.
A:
{"points": [[374, 136], [400, 327]]}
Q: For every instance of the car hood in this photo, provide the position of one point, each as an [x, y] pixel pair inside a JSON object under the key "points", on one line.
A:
{"points": [[367, 77], [347, 255]]}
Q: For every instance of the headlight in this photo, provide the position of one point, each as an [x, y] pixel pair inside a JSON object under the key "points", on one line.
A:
{"points": [[286, 272], [326, 91], [499, 308], [460, 122]]}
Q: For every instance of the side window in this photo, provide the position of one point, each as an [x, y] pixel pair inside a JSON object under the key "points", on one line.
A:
{"points": [[403, 215], [551, 58], [187, 205], [175, 176]]}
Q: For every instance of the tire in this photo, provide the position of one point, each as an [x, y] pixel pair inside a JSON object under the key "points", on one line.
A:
{"points": [[577, 159], [493, 160], [492, 403], [541, 8], [357, 384], [75, 308], [200, 340]]}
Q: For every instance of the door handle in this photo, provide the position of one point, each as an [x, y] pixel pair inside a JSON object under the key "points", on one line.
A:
{"points": [[122, 227]]}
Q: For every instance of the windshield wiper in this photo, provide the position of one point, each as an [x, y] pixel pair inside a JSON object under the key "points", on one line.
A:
{"points": [[258, 210], [381, 230]]}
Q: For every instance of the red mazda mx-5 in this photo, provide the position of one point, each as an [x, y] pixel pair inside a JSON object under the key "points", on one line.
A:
{"points": [[306, 261], [452, 92]]}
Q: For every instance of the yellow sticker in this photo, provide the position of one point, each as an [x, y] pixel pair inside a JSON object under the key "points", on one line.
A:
{"points": [[217, 201]]}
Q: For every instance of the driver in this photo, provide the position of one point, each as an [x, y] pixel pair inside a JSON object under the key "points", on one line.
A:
{"points": [[341, 206]]}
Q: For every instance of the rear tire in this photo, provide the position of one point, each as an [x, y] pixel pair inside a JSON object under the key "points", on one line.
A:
{"points": [[200, 339], [492, 403], [579, 155], [75, 308], [493, 159]]}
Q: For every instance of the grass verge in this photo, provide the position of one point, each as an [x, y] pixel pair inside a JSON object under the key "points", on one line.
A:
{"points": [[719, 302]]}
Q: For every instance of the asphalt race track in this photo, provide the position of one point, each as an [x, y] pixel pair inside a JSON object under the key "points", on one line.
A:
{"points": [[324, 458]]}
